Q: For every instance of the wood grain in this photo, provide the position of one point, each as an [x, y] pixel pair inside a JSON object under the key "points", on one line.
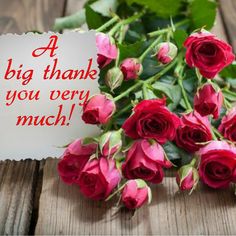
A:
{"points": [[228, 9], [18, 179], [63, 210], [17, 16], [73, 6]]}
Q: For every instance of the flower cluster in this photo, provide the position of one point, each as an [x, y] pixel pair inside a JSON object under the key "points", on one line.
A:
{"points": [[130, 154]]}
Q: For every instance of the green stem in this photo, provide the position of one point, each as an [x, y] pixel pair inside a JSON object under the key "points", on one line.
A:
{"points": [[121, 37], [217, 133], [123, 110], [227, 104], [135, 86], [108, 23], [185, 97], [114, 193], [162, 72], [145, 92], [125, 22], [162, 31], [148, 81], [153, 44]]}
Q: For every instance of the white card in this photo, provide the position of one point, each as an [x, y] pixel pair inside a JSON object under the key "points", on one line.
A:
{"points": [[32, 125]]}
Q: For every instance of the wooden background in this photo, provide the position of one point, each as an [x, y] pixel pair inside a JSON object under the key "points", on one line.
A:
{"points": [[34, 201]]}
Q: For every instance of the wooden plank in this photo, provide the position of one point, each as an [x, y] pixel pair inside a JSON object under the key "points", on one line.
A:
{"points": [[21, 16], [228, 9], [63, 210], [73, 6], [18, 179], [218, 28], [16, 195]]}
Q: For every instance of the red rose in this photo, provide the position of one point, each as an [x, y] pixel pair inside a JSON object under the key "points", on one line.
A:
{"points": [[73, 160], [187, 177], [166, 52], [134, 196], [218, 164], [131, 68], [228, 125], [152, 119], [145, 161], [193, 130], [208, 101], [107, 50], [98, 110], [98, 178], [208, 53]]}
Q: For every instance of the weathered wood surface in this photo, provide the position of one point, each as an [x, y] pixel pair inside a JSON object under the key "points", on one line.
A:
{"points": [[18, 180], [63, 210], [228, 9]]}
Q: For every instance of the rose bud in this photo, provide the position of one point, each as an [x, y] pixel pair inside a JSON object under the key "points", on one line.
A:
{"points": [[135, 194], [73, 160], [187, 177], [98, 178], [114, 78], [131, 68], [208, 53], [110, 143], [208, 101], [107, 51], [98, 109], [166, 52], [152, 119], [193, 132], [145, 160], [228, 125], [218, 164]]}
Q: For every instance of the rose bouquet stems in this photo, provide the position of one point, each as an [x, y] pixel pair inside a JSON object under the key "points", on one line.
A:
{"points": [[160, 106]]}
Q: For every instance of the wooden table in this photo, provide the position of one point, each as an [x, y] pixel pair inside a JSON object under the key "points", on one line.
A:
{"points": [[34, 201]]}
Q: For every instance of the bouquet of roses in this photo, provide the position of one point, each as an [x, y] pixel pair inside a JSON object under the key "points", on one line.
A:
{"points": [[166, 100]]}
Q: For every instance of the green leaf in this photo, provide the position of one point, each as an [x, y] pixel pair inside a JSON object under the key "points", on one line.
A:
{"points": [[93, 19], [229, 95], [89, 140], [203, 13], [174, 153], [104, 7], [131, 50], [164, 9], [141, 183], [173, 92], [229, 71], [179, 37]]}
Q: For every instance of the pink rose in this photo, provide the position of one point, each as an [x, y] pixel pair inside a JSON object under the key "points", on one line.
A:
{"points": [[208, 101], [218, 164], [98, 109], [228, 125], [98, 178], [187, 177], [107, 50], [208, 53], [145, 160], [131, 68], [193, 130], [134, 196], [152, 119], [166, 52], [110, 143], [73, 160]]}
